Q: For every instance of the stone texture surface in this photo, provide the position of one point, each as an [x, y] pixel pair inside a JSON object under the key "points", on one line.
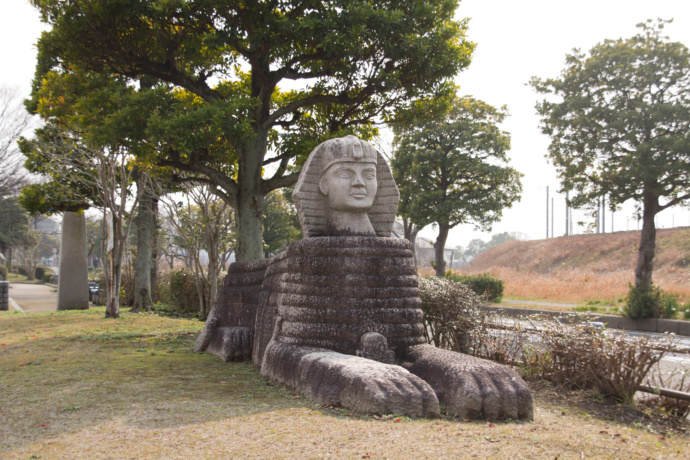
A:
{"points": [[229, 329], [73, 282], [471, 387], [330, 291], [338, 318], [4, 295], [311, 204], [359, 384]]}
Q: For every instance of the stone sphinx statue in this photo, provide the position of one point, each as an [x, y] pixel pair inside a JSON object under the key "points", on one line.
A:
{"points": [[337, 315]]}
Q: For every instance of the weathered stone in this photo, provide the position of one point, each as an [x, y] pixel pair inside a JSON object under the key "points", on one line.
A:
{"points": [[73, 282], [229, 329], [471, 387], [4, 295], [352, 212], [337, 314]]}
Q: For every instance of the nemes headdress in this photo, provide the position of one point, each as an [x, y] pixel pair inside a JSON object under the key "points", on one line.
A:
{"points": [[311, 203]]}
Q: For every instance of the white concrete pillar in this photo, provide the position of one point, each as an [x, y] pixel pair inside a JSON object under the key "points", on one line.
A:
{"points": [[73, 278]]}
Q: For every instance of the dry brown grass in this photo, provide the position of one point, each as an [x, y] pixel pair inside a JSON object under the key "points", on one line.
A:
{"points": [[75, 385], [585, 268]]}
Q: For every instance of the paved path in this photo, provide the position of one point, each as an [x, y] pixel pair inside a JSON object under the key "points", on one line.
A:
{"points": [[33, 298], [538, 303]]}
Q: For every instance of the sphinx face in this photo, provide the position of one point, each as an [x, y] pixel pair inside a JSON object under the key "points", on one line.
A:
{"points": [[349, 186]]}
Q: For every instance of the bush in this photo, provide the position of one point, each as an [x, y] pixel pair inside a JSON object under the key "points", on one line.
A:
{"points": [[669, 306], [572, 355], [22, 270], [643, 303], [39, 272], [451, 311], [183, 291], [487, 286], [3, 272]]}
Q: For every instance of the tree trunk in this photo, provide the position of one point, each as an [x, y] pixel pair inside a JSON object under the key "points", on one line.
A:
{"points": [[411, 231], [145, 222], [154, 249], [645, 258], [248, 212], [439, 248]]}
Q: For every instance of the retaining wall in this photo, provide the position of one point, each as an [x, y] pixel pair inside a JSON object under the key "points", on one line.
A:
{"points": [[4, 295]]}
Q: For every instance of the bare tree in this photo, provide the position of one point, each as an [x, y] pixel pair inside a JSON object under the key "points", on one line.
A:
{"points": [[14, 121], [100, 176], [205, 223]]}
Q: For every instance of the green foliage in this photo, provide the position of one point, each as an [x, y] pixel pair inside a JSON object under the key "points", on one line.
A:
{"points": [[451, 311], [643, 302], [484, 285], [23, 270], [620, 127], [357, 62], [3, 272], [669, 305], [14, 224], [39, 272], [281, 223], [449, 171], [183, 292]]}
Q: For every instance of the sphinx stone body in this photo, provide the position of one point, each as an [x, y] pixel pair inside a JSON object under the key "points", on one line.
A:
{"points": [[337, 315]]}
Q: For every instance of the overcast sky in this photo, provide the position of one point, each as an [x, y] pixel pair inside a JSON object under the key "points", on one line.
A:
{"points": [[515, 41]]}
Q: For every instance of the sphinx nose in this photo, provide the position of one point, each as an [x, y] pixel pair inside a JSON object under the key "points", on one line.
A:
{"points": [[358, 180]]}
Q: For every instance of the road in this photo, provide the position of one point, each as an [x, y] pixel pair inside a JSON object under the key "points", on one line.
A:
{"points": [[34, 298]]}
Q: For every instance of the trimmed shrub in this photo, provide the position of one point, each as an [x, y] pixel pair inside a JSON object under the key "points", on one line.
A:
{"points": [[22, 270], [183, 291], [643, 303], [485, 285], [3, 272], [39, 272], [46, 277], [451, 311]]}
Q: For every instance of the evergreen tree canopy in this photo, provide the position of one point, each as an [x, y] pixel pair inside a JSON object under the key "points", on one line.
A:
{"points": [[212, 107], [620, 126]]}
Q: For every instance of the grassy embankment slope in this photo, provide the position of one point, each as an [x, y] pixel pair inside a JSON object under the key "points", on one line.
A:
{"points": [[77, 385], [585, 268]]}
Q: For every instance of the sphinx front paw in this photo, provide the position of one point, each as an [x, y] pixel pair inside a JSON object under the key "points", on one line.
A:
{"points": [[471, 387], [358, 384]]}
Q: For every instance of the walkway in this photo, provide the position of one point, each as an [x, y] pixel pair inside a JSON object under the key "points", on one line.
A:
{"points": [[34, 298]]}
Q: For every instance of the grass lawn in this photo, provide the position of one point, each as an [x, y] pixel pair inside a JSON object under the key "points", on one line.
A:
{"points": [[21, 279], [73, 384]]}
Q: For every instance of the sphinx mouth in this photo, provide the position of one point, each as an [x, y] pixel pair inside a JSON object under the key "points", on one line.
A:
{"points": [[359, 195]]}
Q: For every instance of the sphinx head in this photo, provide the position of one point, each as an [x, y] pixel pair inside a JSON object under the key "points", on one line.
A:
{"points": [[346, 188]]}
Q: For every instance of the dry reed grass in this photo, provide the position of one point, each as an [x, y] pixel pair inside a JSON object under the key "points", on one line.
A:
{"points": [[585, 268]]}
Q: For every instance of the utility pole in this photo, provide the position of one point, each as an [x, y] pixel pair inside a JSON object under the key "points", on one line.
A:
{"points": [[603, 214], [547, 211], [551, 217], [567, 210]]}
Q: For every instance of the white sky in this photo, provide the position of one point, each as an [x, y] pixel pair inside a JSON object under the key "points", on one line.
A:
{"points": [[515, 41]]}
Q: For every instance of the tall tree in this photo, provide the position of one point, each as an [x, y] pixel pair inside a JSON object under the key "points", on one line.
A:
{"points": [[449, 171], [353, 60], [620, 126]]}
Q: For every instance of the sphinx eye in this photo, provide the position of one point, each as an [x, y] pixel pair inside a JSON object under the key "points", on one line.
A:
{"points": [[344, 174], [369, 175]]}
